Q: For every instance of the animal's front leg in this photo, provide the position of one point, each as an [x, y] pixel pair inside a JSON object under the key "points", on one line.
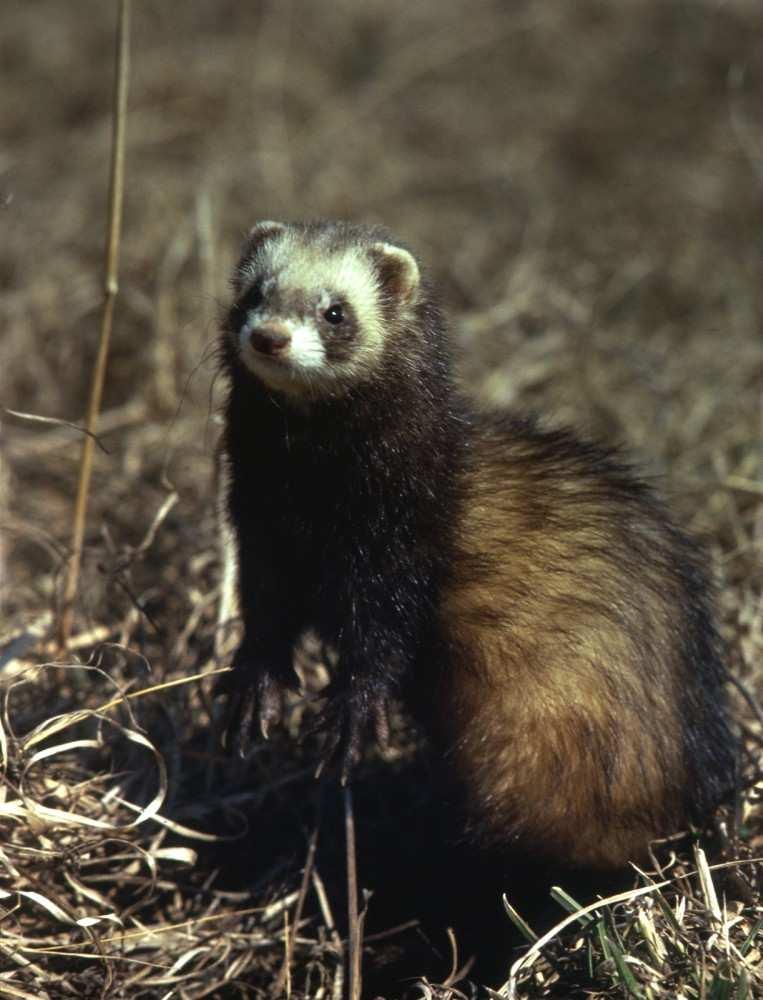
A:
{"points": [[254, 689], [263, 666], [380, 616], [375, 649], [354, 706]]}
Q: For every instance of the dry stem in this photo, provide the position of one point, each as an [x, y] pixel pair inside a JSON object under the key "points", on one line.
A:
{"points": [[111, 287], [352, 899]]}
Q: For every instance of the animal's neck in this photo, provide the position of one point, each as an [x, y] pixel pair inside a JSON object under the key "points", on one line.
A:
{"points": [[398, 411]]}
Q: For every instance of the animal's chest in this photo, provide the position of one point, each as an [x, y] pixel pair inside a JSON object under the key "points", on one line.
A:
{"points": [[318, 507]]}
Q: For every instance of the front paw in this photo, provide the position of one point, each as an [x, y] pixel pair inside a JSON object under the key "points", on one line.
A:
{"points": [[348, 714], [254, 698]]}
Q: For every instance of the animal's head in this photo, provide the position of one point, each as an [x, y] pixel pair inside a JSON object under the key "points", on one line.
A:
{"points": [[316, 305]]}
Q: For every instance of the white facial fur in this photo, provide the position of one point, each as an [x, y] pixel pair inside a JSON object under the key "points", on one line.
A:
{"points": [[306, 350], [347, 273], [316, 272]]}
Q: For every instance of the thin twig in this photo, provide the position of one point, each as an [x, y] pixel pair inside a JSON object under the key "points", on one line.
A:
{"points": [[116, 191], [336, 941], [328, 916], [57, 422], [285, 973], [286, 967], [353, 919], [35, 445]]}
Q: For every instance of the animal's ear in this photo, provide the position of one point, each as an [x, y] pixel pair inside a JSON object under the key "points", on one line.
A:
{"points": [[265, 228], [398, 270], [254, 239], [260, 232]]}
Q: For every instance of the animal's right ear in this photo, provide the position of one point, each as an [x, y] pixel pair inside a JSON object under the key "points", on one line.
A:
{"points": [[254, 239], [260, 232]]}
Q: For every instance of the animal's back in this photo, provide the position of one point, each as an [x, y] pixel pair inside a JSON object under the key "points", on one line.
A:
{"points": [[581, 702]]}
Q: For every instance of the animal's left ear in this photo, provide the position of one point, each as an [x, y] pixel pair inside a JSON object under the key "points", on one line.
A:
{"points": [[398, 270]]}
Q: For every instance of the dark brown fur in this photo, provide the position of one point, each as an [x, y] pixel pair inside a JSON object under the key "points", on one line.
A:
{"points": [[526, 594]]}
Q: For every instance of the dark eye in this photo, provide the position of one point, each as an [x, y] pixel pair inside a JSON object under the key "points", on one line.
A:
{"points": [[334, 315]]}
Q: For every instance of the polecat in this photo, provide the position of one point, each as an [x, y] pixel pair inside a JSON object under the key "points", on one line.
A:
{"points": [[527, 595]]}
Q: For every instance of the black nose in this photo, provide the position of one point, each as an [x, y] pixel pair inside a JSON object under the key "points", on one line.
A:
{"points": [[270, 340]]}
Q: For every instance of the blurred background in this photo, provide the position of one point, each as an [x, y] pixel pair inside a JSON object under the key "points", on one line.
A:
{"points": [[584, 182]]}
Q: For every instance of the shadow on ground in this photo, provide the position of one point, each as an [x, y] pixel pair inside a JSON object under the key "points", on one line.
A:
{"points": [[419, 881]]}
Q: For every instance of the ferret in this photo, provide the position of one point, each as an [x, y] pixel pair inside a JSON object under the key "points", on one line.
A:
{"points": [[524, 593]]}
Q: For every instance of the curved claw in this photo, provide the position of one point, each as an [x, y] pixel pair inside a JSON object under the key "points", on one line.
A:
{"points": [[251, 701], [343, 721]]}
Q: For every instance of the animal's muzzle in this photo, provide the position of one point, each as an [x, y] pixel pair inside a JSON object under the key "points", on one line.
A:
{"points": [[271, 339]]}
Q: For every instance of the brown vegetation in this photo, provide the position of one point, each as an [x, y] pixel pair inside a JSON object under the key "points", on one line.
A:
{"points": [[586, 181]]}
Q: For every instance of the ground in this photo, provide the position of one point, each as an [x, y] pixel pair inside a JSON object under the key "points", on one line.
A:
{"points": [[585, 184]]}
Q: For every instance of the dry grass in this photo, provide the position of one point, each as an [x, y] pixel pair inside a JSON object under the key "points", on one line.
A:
{"points": [[586, 181]]}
